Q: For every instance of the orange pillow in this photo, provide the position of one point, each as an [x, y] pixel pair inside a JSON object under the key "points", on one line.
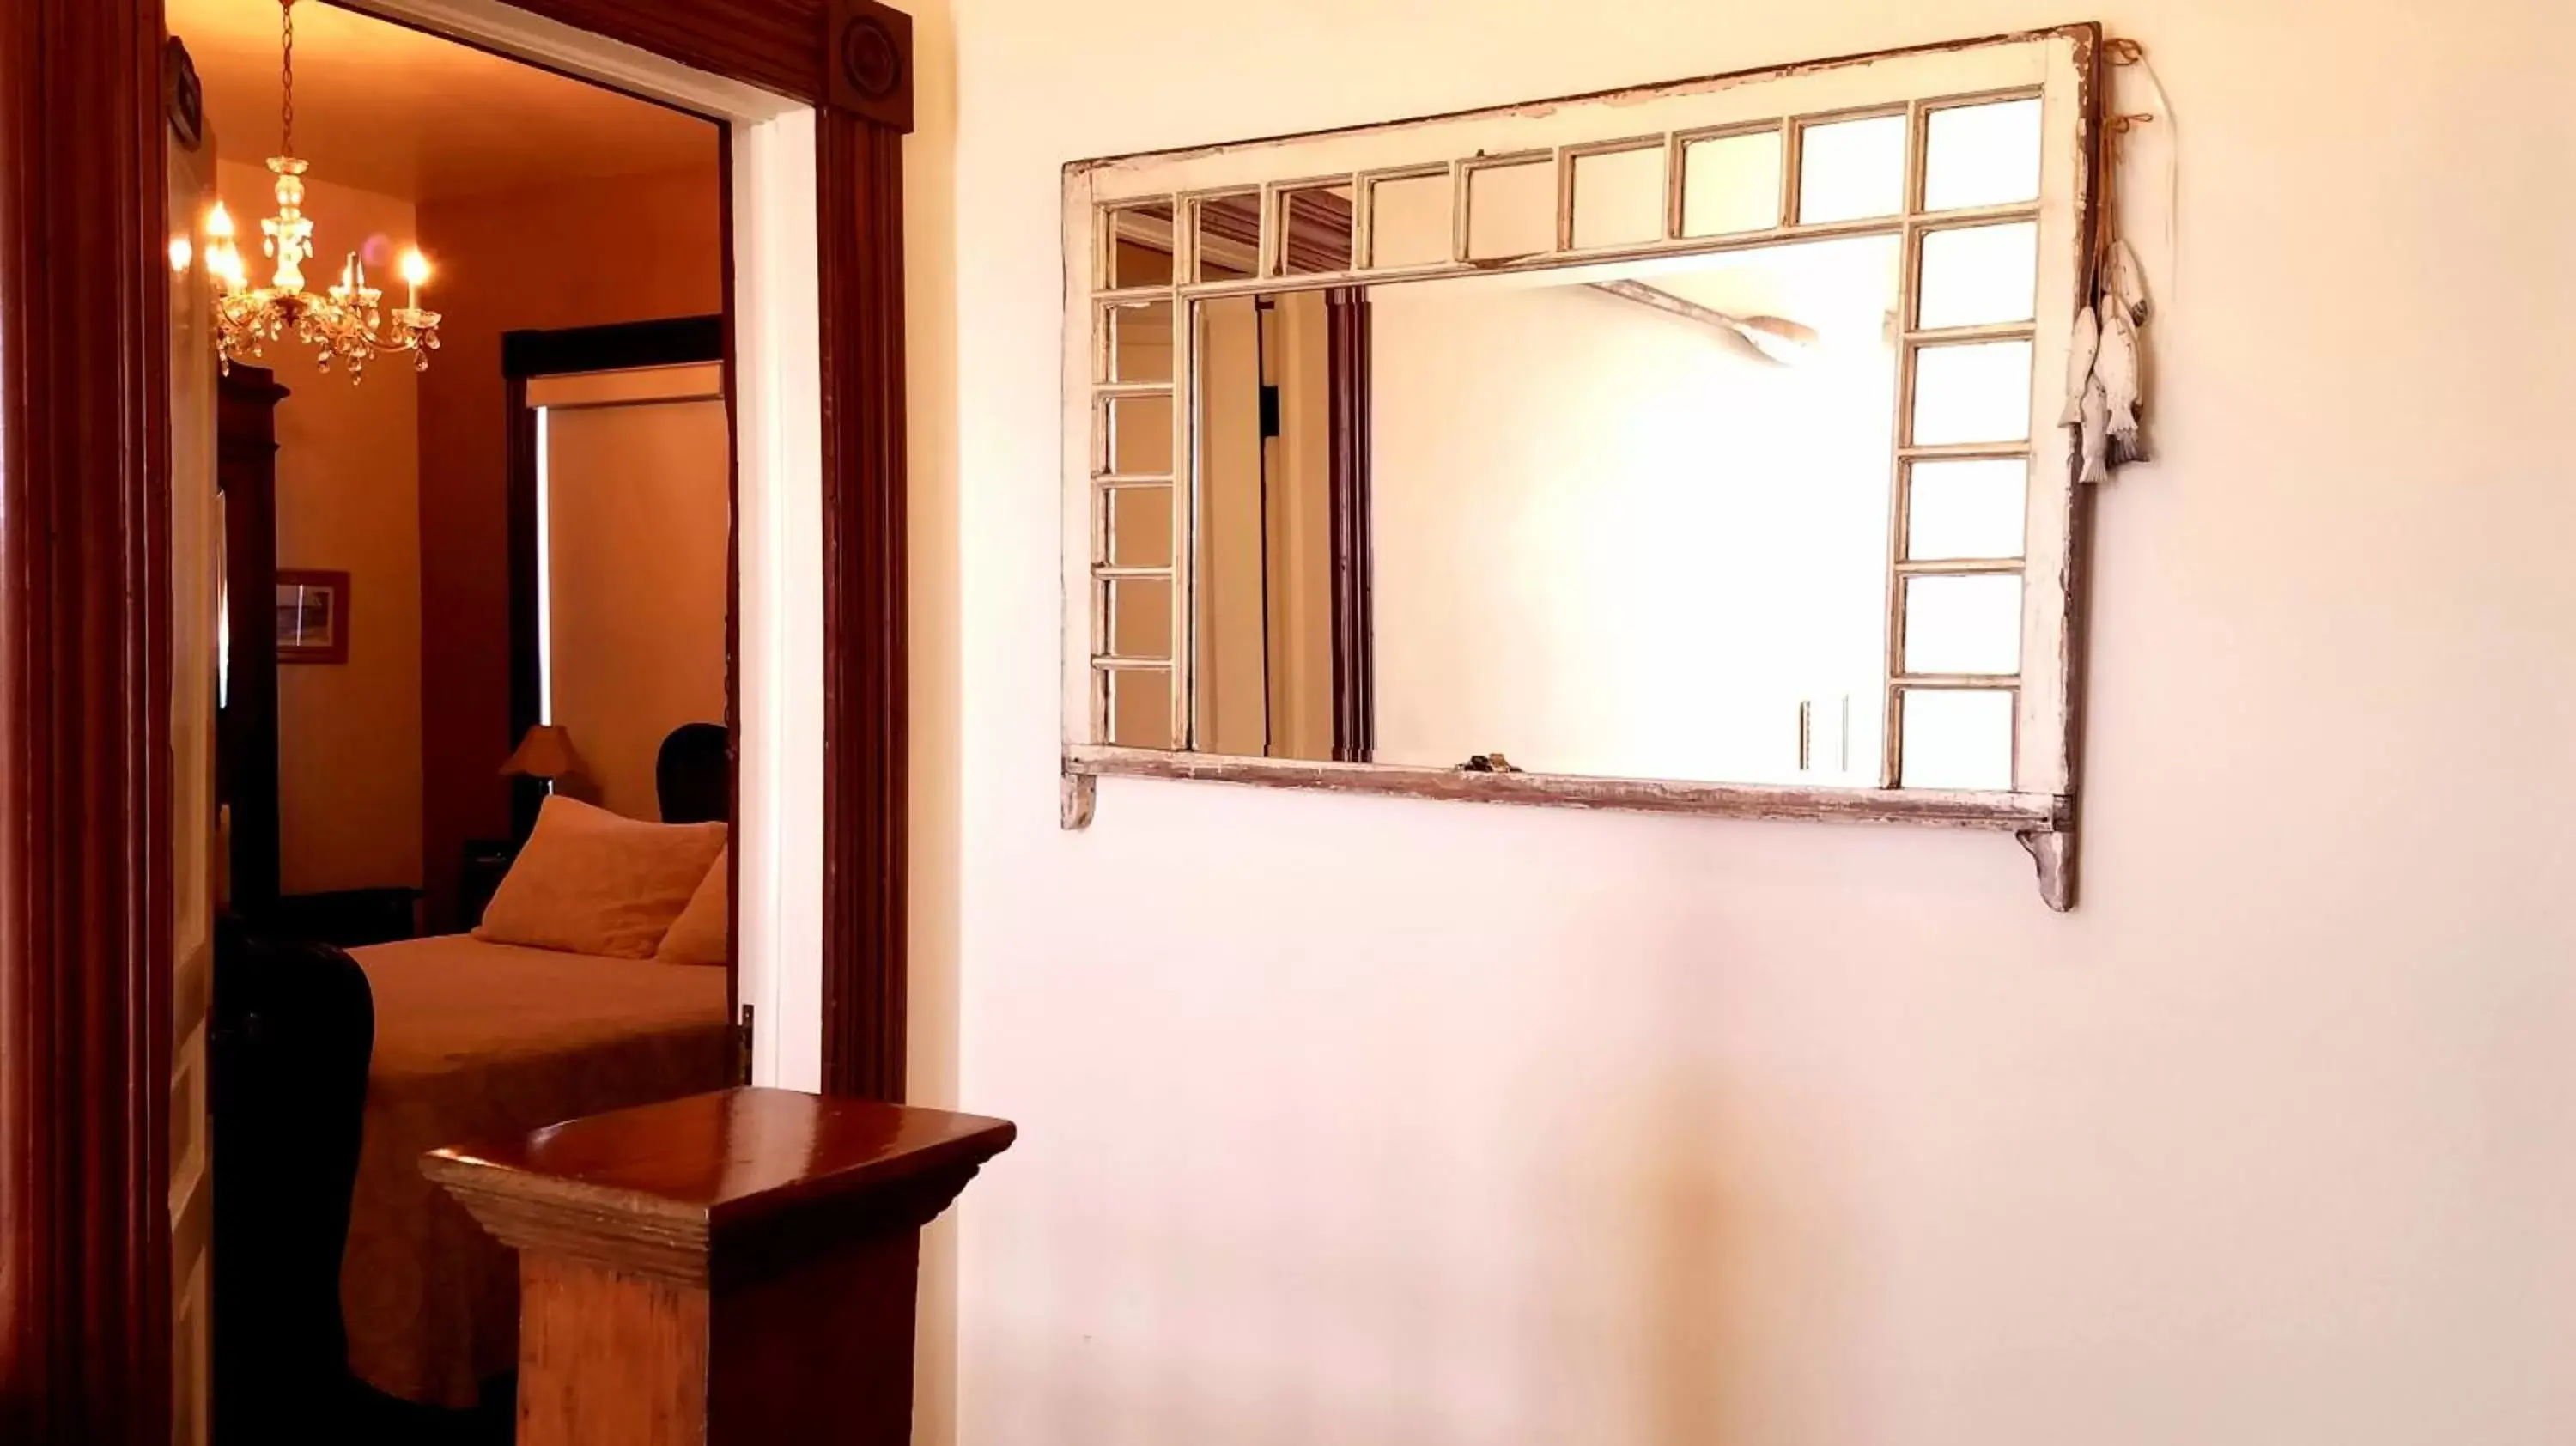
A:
{"points": [[698, 935], [594, 882]]}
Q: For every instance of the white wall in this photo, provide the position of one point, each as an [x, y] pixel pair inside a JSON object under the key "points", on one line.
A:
{"points": [[348, 500], [1350, 1120]]}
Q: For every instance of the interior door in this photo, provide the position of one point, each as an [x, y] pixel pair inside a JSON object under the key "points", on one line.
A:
{"points": [[196, 567]]}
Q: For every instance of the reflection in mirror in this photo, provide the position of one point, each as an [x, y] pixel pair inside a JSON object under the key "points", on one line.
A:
{"points": [[1269, 414], [1140, 707], [1316, 230], [1981, 155], [1965, 509], [1140, 245], [1979, 275], [1136, 526], [1851, 170], [1409, 219], [1618, 197], [1511, 210], [1139, 614], [1957, 738], [1974, 393], [1731, 184], [1628, 519], [1140, 341], [1968, 623], [1229, 235], [1138, 436]]}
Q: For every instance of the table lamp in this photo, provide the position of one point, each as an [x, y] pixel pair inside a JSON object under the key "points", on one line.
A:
{"points": [[546, 752]]}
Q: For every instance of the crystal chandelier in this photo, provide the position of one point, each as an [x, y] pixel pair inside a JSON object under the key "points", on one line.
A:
{"points": [[346, 322]]}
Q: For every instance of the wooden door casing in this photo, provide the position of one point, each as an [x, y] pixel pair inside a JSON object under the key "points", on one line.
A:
{"points": [[197, 555], [85, 782]]}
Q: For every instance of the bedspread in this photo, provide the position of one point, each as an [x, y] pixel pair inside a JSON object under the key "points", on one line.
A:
{"points": [[474, 1041]]}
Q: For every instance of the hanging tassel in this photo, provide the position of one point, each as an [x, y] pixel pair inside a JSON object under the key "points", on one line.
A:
{"points": [[2117, 368], [2079, 366], [2096, 433], [2126, 284]]}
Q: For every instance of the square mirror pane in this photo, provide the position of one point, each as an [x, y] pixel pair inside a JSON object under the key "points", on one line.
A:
{"points": [[1969, 623], [1140, 342], [1137, 622], [1140, 245], [1511, 210], [1140, 707], [1965, 509], [1981, 155], [1851, 170], [1137, 526], [1137, 438], [1229, 235], [1409, 220], [1957, 738], [1619, 197], [1315, 223], [1973, 393], [1731, 184], [1979, 275]]}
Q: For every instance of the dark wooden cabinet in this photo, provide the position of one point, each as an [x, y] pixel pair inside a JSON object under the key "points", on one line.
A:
{"points": [[246, 401], [346, 918], [478, 876]]}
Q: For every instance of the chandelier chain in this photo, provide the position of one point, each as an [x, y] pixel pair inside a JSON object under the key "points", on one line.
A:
{"points": [[347, 323], [286, 75]]}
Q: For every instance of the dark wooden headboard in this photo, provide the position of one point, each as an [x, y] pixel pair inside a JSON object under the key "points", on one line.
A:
{"points": [[690, 775]]}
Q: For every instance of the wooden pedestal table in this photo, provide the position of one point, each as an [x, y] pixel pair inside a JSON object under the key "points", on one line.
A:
{"points": [[735, 1267]]}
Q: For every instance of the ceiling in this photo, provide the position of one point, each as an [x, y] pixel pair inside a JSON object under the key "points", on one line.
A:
{"points": [[392, 110]]}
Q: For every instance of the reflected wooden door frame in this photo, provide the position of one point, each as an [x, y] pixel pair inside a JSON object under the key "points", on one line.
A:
{"points": [[85, 784], [1346, 310]]}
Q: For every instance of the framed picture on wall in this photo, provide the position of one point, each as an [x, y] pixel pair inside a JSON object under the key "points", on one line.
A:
{"points": [[312, 616]]}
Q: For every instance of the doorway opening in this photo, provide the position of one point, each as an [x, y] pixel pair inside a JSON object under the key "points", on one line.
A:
{"points": [[471, 861]]}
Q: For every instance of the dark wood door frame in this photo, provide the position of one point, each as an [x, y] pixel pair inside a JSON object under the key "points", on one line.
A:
{"points": [[85, 785]]}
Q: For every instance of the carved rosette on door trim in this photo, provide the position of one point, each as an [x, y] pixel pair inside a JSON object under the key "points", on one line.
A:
{"points": [[871, 60]]}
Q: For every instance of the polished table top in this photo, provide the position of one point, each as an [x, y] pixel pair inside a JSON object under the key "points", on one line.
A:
{"points": [[731, 1155]]}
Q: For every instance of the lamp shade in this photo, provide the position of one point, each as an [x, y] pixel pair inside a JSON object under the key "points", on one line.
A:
{"points": [[546, 752]]}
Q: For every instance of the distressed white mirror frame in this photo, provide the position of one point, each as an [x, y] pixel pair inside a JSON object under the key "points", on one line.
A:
{"points": [[2058, 67]]}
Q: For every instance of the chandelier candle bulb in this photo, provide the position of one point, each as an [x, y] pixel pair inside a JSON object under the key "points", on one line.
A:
{"points": [[415, 270]]}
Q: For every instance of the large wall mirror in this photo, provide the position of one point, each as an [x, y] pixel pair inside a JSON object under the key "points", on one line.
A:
{"points": [[1693, 448]]}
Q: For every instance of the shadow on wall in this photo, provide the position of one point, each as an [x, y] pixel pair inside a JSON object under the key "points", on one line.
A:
{"points": [[1747, 1261]]}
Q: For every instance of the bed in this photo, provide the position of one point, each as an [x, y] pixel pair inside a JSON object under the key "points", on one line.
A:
{"points": [[476, 1040]]}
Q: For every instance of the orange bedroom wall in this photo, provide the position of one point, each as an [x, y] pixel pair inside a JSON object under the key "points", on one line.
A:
{"points": [[349, 779], [579, 254]]}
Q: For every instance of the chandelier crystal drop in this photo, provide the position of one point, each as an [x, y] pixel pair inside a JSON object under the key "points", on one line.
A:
{"points": [[347, 322]]}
